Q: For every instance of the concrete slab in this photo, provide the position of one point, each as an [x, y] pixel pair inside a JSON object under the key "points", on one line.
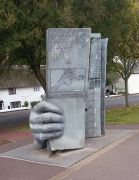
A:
{"points": [[67, 61], [67, 79], [74, 128], [66, 158]]}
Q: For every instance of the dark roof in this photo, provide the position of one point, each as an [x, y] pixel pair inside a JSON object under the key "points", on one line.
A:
{"points": [[19, 78], [136, 71]]}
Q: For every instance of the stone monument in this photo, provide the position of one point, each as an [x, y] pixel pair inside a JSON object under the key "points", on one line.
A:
{"points": [[75, 77]]}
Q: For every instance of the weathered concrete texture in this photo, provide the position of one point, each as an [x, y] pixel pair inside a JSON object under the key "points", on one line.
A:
{"points": [[46, 122], [74, 131], [67, 62], [66, 158], [104, 43], [93, 115], [67, 81]]}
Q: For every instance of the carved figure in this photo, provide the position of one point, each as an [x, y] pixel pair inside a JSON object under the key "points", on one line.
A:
{"points": [[46, 122], [68, 76]]}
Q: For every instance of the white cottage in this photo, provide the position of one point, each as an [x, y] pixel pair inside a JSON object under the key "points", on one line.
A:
{"points": [[19, 88], [133, 83]]}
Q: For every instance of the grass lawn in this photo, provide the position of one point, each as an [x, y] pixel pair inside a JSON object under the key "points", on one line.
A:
{"points": [[19, 127], [123, 115], [23, 127]]}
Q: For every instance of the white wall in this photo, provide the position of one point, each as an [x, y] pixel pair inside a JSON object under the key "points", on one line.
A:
{"points": [[133, 84], [22, 94]]}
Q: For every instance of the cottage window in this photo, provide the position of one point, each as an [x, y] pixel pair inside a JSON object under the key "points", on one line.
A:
{"points": [[12, 91], [1, 104], [15, 104]]}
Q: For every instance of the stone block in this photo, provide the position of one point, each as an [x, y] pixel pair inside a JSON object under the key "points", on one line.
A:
{"points": [[74, 132]]}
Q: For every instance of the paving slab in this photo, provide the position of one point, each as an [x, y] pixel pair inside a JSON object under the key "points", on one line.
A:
{"points": [[65, 158], [11, 169]]}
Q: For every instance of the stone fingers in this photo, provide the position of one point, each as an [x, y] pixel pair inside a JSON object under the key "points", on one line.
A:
{"points": [[46, 136], [46, 122], [45, 106], [45, 118], [45, 128]]}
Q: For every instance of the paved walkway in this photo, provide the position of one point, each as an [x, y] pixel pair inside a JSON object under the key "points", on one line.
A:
{"points": [[118, 161], [12, 169]]}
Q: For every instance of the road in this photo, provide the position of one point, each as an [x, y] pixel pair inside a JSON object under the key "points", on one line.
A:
{"points": [[9, 119], [120, 101], [20, 117]]}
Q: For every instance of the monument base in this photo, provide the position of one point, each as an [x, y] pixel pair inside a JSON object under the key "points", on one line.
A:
{"points": [[66, 158]]}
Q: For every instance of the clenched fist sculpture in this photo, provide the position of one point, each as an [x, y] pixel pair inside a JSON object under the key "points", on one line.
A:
{"points": [[46, 122]]}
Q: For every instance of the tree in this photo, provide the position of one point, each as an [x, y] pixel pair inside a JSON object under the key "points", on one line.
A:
{"points": [[6, 21], [112, 75], [112, 25], [23, 29], [88, 13], [109, 17], [24, 42], [23, 32], [127, 54]]}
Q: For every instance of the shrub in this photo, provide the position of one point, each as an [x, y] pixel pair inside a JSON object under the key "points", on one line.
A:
{"points": [[26, 104], [33, 103]]}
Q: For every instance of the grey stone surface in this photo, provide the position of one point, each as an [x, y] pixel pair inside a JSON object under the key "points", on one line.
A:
{"points": [[67, 81], [46, 121], [74, 131], [67, 60], [104, 43], [75, 82], [66, 158], [93, 114]]}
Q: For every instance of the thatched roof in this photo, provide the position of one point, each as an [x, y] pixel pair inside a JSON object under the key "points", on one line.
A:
{"points": [[19, 78], [136, 71]]}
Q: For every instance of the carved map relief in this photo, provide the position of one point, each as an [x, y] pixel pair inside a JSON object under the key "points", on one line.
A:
{"points": [[67, 80]]}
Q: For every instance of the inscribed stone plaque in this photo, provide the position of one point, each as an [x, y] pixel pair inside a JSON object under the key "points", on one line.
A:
{"points": [[67, 60]]}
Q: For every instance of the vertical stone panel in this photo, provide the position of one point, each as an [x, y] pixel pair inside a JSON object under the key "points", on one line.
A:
{"points": [[67, 81], [104, 43], [93, 114]]}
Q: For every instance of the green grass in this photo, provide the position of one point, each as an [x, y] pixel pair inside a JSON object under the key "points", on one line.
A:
{"points": [[123, 115], [21, 127]]}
